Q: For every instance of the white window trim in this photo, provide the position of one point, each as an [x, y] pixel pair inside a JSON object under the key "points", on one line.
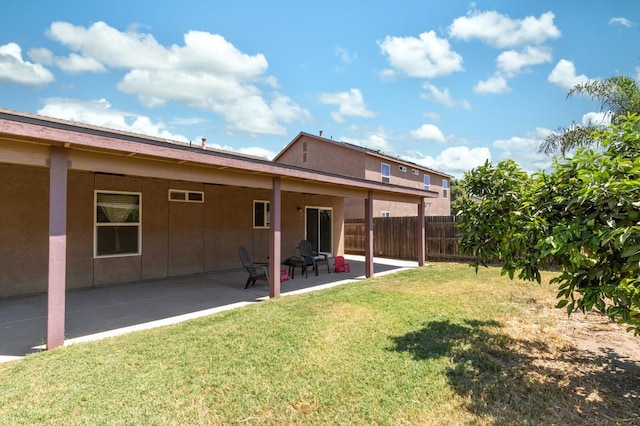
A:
{"points": [[427, 186], [403, 169], [388, 177], [96, 225], [385, 213], [445, 188], [415, 172], [186, 198], [266, 219]]}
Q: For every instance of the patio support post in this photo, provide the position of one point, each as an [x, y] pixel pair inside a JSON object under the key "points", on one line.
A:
{"points": [[275, 239], [421, 234], [57, 247], [368, 235]]}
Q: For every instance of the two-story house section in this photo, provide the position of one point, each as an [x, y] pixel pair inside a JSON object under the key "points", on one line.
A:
{"points": [[342, 158]]}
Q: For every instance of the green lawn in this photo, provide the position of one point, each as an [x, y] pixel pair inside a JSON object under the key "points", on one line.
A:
{"points": [[435, 345]]}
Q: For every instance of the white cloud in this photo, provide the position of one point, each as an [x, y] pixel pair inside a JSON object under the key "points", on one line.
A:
{"points": [[425, 57], [16, 70], [524, 150], [501, 31], [495, 84], [100, 113], [351, 104], [511, 61], [428, 132], [442, 97], [375, 140], [345, 56], [596, 119], [621, 21], [75, 63], [454, 160], [207, 73], [564, 75]]}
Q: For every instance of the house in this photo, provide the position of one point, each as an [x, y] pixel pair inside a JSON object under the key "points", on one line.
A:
{"points": [[85, 206], [322, 154]]}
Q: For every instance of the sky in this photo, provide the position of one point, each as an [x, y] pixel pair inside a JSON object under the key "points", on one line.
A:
{"points": [[444, 84]]}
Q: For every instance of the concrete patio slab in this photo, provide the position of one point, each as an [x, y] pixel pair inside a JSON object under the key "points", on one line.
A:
{"points": [[101, 312]]}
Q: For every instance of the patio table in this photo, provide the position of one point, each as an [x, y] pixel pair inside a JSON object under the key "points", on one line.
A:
{"points": [[293, 262]]}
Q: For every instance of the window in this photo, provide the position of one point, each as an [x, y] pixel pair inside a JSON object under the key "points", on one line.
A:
{"points": [[261, 214], [385, 213], [415, 172], [304, 151], [445, 188], [403, 169], [385, 169], [427, 182], [186, 196], [117, 224]]}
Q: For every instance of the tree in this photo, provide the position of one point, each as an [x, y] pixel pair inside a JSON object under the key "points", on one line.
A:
{"points": [[582, 219], [617, 95]]}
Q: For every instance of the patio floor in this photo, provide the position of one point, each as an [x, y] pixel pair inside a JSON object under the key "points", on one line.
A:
{"points": [[96, 313]]}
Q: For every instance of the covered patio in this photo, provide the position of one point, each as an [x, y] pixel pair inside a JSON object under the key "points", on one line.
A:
{"points": [[101, 312]]}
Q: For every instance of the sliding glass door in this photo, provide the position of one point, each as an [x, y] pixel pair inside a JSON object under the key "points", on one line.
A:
{"points": [[320, 228]]}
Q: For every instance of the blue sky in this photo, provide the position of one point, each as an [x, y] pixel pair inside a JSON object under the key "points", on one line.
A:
{"points": [[445, 84]]}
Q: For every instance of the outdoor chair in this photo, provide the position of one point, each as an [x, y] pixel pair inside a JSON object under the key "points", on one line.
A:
{"points": [[256, 270], [312, 258], [340, 265]]}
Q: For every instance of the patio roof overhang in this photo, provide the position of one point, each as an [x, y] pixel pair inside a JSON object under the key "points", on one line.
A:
{"points": [[103, 150]]}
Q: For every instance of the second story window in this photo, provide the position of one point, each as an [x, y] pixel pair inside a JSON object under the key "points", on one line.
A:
{"points": [[427, 182], [385, 169], [445, 188], [304, 151]]}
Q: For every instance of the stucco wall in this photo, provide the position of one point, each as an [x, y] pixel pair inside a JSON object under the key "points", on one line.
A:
{"points": [[177, 238], [326, 157], [24, 237]]}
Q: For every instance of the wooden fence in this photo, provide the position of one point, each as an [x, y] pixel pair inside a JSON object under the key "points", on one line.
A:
{"points": [[395, 237]]}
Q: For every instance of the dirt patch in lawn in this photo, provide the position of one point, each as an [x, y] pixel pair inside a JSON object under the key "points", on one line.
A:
{"points": [[593, 361]]}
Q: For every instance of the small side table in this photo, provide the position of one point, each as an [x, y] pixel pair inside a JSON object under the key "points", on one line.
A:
{"points": [[293, 262]]}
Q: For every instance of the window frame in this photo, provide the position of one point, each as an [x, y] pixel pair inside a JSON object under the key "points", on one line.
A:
{"points": [[385, 213], [402, 168], [426, 181], [266, 211], [445, 188], [388, 174], [97, 224], [187, 196]]}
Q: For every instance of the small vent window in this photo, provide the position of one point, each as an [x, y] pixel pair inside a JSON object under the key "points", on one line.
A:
{"points": [[415, 172], [403, 169], [186, 196]]}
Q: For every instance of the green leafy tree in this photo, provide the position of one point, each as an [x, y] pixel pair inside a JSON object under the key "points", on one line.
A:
{"points": [[617, 95], [583, 219]]}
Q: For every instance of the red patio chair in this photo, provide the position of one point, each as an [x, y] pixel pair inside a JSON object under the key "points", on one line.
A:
{"points": [[340, 265]]}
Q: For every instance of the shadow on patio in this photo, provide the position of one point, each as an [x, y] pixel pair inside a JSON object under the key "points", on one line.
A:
{"points": [[96, 313]]}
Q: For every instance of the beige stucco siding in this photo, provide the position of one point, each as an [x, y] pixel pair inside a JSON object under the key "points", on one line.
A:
{"points": [[177, 237], [24, 212], [330, 158]]}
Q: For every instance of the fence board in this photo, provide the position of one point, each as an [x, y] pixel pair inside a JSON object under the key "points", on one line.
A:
{"points": [[396, 237]]}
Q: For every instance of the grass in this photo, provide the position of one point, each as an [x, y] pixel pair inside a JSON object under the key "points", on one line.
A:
{"points": [[435, 345]]}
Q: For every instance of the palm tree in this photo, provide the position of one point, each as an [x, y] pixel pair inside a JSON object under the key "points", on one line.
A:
{"points": [[617, 95]]}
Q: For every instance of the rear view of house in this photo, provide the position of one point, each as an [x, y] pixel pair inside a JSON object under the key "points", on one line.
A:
{"points": [[326, 155]]}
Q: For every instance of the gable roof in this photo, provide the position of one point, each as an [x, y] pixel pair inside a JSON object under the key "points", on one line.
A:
{"points": [[367, 151]]}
